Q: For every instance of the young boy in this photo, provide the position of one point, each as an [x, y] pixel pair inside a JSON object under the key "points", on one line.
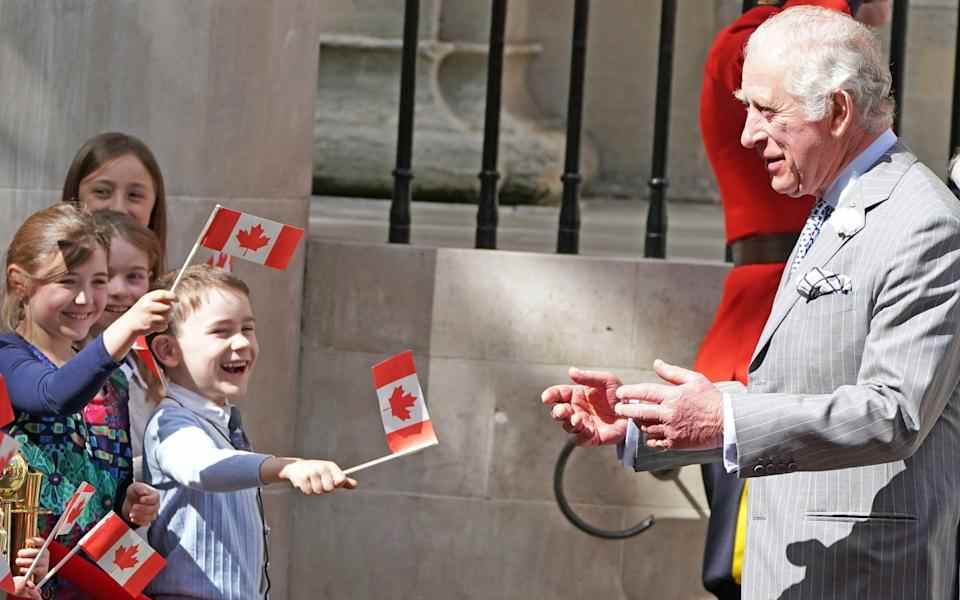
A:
{"points": [[210, 527]]}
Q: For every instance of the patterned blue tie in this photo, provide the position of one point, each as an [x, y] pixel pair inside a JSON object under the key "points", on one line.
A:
{"points": [[818, 216], [238, 437]]}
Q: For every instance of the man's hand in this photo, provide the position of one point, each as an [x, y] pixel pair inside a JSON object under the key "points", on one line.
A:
{"points": [[585, 408], [687, 415], [141, 504]]}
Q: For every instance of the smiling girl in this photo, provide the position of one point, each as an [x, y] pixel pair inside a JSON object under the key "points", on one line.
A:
{"points": [[117, 171], [56, 290], [117, 415]]}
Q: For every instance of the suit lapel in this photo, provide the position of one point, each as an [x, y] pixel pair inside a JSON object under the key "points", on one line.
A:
{"points": [[875, 187]]}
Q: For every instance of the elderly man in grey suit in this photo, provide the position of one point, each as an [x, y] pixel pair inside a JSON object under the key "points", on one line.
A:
{"points": [[850, 423]]}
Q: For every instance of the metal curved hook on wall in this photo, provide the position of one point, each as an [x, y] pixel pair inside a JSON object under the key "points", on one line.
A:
{"points": [[608, 534]]}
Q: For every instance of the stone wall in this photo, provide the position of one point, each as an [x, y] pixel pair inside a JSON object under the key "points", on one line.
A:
{"points": [[475, 516]]}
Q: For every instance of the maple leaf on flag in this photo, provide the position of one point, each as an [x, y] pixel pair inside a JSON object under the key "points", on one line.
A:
{"points": [[253, 239], [126, 557], [77, 510], [400, 403]]}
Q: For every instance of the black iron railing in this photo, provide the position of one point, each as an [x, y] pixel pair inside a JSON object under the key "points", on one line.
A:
{"points": [[568, 234]]}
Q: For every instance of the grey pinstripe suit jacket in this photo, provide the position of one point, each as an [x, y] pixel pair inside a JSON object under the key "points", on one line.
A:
{"points": [[852, 415]]}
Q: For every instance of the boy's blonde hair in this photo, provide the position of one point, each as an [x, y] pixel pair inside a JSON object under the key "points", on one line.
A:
{"points": [[64, 229], [196, 283], [192, 291]]}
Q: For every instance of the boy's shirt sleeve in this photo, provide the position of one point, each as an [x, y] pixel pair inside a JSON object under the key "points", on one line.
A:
{"points": [[183, 451], [39, 388]]}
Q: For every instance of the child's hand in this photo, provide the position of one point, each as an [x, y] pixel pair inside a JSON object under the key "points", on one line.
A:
{"points": [[316, 476], [150, 314], [26, 555], [26, 589], [22, 587], [141, 504]]}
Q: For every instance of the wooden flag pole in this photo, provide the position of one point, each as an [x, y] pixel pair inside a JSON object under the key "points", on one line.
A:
{"points": [[389, 457], [63, 561], [53, 534], [196, 246]]}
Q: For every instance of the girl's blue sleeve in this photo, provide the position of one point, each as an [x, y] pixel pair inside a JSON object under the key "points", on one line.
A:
{"points": [[38, 388]]}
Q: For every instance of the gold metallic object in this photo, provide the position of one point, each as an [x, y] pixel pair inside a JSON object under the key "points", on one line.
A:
{"points": [[19, 507]]}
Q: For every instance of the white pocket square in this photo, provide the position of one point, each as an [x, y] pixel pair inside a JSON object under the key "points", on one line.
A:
{"points": [[818, 282]]}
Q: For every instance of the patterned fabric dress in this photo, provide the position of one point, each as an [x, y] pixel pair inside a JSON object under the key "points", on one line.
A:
{"points": [[91, 446]]}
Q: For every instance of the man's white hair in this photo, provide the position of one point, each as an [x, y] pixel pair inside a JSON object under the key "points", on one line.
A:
{"points": [[823, 51]]}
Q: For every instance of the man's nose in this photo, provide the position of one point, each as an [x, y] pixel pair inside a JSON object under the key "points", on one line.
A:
{"points": [[749, 133], [753, 129], [81, 298]]}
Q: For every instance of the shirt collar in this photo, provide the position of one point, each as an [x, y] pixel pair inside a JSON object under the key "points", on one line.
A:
{"points": [[858, 166], [203, 407]]}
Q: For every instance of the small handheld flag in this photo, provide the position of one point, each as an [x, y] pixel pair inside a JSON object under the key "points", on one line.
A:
{"points": [[6, 578], [246, 236], [251, 238], [8, 448], [221, 260], [402, 406], [75, 507], [71, 513], [6, 407], [402, 409], [142, 349], [120, 552]]}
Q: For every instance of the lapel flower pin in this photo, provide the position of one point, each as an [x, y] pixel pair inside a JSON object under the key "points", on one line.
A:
{"points": [[849, 217]]}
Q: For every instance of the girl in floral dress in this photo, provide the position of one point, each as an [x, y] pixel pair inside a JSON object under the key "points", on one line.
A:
{"points": [[55, 291]]}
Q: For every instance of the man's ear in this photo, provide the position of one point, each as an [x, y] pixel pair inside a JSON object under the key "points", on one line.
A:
{"points": [[841, 113], [166, 349]]}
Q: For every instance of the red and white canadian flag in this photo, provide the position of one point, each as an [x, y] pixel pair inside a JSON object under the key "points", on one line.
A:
{"points": [[221, 260], [6, 407], [251, 237], [6, 579], [402, 405], [146, 356], [75, 507], [8, 448], [122, 553]]}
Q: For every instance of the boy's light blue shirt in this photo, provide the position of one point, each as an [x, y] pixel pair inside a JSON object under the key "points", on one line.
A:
{"points": [[209, 527]]}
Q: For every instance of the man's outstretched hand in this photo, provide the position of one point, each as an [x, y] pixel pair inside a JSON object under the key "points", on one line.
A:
{"points": [[685, 415], [585, 407]]}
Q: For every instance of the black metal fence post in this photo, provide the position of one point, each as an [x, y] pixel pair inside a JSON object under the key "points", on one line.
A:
{"points": [[655, 243], [898, 53], [403, 174], [487, 206], [955, 113], [568, 236]]}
